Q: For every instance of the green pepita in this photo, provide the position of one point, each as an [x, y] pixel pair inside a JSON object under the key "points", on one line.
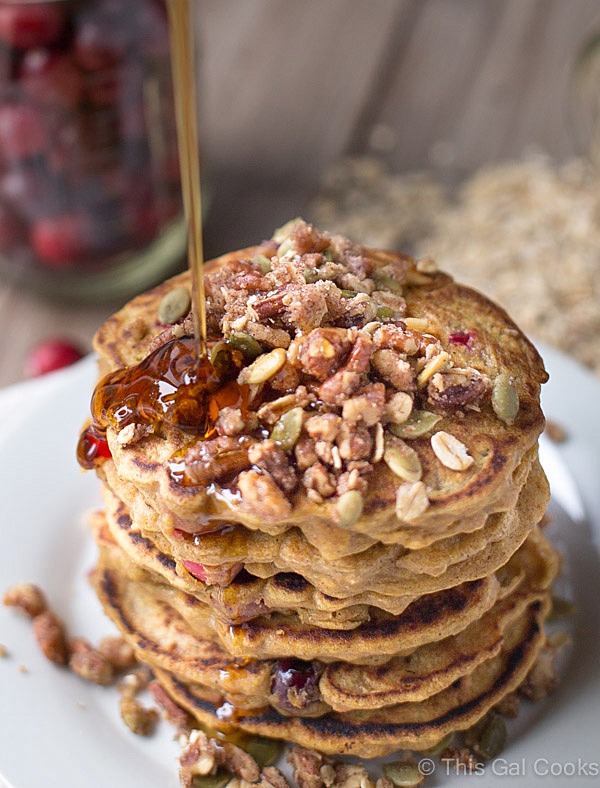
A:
{"points": [[286, 430], [505, 398], [174, 305], [492, 738], [225, 360], [264, 751], [218, 780], [349, 508], [419, 423], [384, 313], [403, 461], [442, 745], [246, 344], [263, 262], [349, 293], [403, 774], [387, 282]]}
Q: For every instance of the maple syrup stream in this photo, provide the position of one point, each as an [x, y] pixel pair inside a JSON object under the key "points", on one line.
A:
{"points": [[176, 384], [181, 27]]}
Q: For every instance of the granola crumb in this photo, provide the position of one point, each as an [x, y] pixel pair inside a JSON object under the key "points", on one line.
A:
{"points": [[89, 664], [555, 431], [23, 669], [3, 651], [138, 718], [51, 637], [27, 598]]}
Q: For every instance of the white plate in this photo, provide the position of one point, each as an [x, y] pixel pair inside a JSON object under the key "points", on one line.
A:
{"points": [[56, 731]]}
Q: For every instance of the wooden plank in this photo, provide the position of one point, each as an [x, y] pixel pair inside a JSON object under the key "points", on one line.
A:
{"points": [[283, 81]]}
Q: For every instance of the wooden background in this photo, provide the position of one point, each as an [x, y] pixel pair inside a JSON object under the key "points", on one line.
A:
{"points": [[288, 87]]}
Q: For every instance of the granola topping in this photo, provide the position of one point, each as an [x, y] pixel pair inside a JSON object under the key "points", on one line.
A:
{"points": [[319, 377]]}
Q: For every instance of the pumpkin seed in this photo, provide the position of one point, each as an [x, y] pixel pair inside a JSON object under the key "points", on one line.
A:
{"points": [[174, 305], [403, 774], [349, 293], [387, 282], [403, 461], [264, 367], [246, 344], [218, 780], [263, 261], [419, 423], [264, 751], [505, 398], [492, 738], [384, 313], [225, 360], [286, 430], [349, 508]]}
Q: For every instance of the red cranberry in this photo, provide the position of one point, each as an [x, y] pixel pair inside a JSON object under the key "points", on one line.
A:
{"points": [[302, 678], [51, 79], [61, 241], [196, 570], [92, 448], [32, 192], [51, 354], [28, 25], [21, 131], [12, 229], [465, 338], [102, 39]]}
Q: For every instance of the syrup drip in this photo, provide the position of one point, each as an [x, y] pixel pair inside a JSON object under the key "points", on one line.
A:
{"points": [[181, 27], [169, 386]]}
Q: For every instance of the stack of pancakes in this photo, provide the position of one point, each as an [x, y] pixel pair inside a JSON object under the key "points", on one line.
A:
{"points": [[394, 604]]}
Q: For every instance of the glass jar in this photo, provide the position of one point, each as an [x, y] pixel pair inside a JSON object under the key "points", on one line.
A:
{"points": [[90, 202]]}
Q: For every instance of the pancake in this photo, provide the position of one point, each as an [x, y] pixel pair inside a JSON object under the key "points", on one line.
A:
{"points": [[416, 726], [163, 638], [350, 287], [381, 576], [428, 619]]}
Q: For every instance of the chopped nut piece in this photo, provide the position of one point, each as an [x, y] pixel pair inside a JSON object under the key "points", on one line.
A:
{"points": [[451, 452], [433, 365], [419, 324], [394, 369], [379, 444], [542, 679], [325, 427], [3, 650], [555, 431], [118, 652], [306, 765], [367, 406], [262, 496], [509, 706], [411, 501], [398, 408], [90, 664], [50, 635], [138, 719], [27, 598]]}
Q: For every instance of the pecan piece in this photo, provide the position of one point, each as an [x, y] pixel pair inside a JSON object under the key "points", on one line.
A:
{"points": [[322, 351], [270, 457], [27, 598], [90, 664], [261, 496], [456, 387], [347, 380], [51, 638]]}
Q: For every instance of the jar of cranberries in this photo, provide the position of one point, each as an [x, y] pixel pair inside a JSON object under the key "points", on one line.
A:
{"points": [[89, 182]]}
